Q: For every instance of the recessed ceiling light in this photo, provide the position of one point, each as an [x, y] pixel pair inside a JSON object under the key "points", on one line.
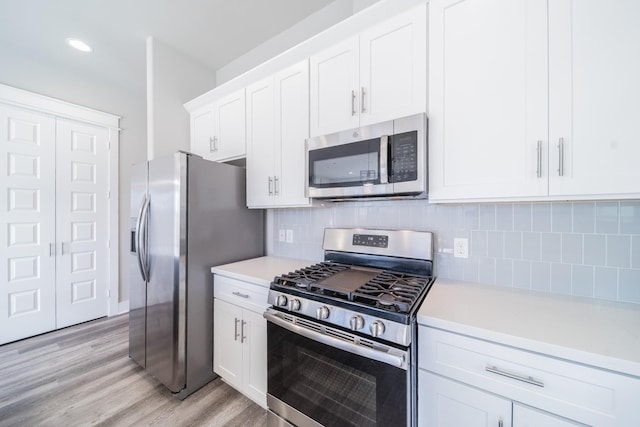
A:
{"points": [[80, 45]]}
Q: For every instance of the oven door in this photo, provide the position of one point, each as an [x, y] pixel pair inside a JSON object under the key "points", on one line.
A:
{"points": [[322, 376]]}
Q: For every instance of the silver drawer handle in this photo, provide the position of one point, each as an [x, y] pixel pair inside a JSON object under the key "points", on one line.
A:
{"points": [[523, 378], [241, 295]]}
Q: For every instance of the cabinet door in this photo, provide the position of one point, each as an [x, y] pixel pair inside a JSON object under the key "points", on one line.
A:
{"points": [[202, 133], [525, 416], [393, 68], [594, 90], [254, 330], [334, 77], [446, 403], [227, 348], [292, 128], [487, 98], [82, 222], [261, 144], [229, 140], [27, 234]]}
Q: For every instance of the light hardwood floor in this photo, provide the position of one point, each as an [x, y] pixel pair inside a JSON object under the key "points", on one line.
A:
{"points": [[82, 376]]}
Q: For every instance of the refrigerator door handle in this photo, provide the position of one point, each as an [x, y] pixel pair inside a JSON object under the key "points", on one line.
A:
{"points": [[144, 224], [138, 246]]}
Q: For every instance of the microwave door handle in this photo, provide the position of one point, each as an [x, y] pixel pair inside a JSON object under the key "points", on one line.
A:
{"points": [[384, 171]]}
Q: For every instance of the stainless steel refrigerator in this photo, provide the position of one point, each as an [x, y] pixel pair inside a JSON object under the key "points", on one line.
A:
{"points": [[187, 215]]}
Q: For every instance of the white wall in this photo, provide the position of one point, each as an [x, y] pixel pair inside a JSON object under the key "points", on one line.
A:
{"points": [[172, 79]]}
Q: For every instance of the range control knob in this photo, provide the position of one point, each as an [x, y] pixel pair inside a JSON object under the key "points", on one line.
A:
{"points": [[294, 304], [281, 301], [322, 312], [356, 322], [376, 328]]}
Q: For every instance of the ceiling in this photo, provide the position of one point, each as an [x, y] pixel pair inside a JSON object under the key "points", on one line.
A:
{"points": [[213, 32]]}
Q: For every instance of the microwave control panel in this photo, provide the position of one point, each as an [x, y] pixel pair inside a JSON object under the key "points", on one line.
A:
{"points": [[404, 155]]}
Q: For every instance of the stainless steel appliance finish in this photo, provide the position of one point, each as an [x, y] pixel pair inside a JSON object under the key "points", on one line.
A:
{"points": [[343, 331], [188, 214], [387, 159]]}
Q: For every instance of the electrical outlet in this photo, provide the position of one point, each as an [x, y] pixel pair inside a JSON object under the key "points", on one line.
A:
{"points": [[461, 247], [289, 236], [281, 235]]}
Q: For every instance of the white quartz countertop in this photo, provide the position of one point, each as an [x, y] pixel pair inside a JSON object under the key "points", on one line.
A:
{"points": [[260, 271], [594, 332]]}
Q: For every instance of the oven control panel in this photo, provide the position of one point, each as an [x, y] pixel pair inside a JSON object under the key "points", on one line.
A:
{"points": [[376, 241]]}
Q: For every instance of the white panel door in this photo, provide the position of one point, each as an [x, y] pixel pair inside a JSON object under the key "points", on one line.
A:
{"points": [[82, 225], [446, 403], [393, 68], [526, 416], [27, 232], [254, 338], [229, 127], [202, 132], [487, 98], [227, 348], [261, 144], [594, 104], [334, 88]]}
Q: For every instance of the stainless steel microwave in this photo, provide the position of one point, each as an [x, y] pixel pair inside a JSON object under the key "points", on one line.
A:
{"points": [[382, 160]]}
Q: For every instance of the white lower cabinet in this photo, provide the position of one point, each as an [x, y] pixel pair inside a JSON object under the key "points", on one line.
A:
{"points": [[473, 382], [240, 336]]}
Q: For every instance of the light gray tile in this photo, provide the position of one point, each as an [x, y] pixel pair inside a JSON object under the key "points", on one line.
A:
{"points": [[470, 270], [571, 248], [595, 249], [442, 265], [562, 217], [531, 246], [471, 217], [541, 217], [495, 244], [619, 251], [582, 281], [456, 217], [513, 244], [541, 276], [607, 217], [635, 252], [550, 250], [629, 286], [522, 217], [504, 272], [456, 270], [561, 279], [478, 243], [522, 274], [630, 217], [487, 217], [504, 217], [584, 217], [487, 271], [606, 283]]}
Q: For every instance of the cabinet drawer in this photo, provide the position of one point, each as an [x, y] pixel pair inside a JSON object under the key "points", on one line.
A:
{"points": [[244, 294], [586, 394]]}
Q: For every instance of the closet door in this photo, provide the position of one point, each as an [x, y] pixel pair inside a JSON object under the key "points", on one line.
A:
{"points": [[82, 226], [27, 232]]}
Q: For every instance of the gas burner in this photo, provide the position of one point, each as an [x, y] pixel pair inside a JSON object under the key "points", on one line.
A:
{"points": [[304, 278]]}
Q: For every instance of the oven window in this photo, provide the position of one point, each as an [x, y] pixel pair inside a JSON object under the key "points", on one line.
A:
{"points": [[332, 386], [345, 165]]}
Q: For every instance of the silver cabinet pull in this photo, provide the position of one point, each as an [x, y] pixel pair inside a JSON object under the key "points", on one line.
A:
{"points": [[213, 144], [52, 249], [242, 335], [65, 245], [362, 93], [276, 185], [235, 333], [500, 423], [523, 378], [270, 186], [353, 102], [241, 295], [539, 160], [384, 171], [561, 157]]}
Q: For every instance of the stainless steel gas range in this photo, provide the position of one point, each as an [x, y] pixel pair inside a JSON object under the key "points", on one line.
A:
{"points": [[342, 333]]}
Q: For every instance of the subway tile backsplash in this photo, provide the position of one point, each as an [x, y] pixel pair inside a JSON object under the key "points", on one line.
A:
{"points": [[587, 249]]}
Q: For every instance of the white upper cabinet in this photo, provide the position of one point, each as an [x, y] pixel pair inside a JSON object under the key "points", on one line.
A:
{"points": [[218, 129], [533, 102], [277, 126], [377, 75], [594, 98]]}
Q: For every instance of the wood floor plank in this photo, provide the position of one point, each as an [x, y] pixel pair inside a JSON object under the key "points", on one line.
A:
{"points": [[82, 375]]}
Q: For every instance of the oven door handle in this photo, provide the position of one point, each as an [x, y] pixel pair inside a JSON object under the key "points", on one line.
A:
{"points": [[398, 360]]}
